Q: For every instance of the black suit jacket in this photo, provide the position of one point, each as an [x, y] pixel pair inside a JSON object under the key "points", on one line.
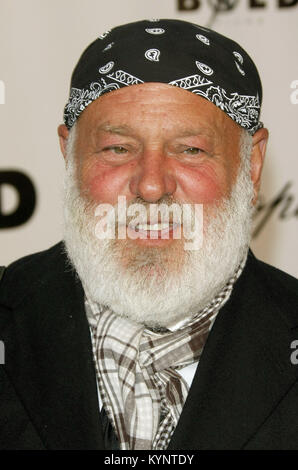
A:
{"points": [[244, 394]]}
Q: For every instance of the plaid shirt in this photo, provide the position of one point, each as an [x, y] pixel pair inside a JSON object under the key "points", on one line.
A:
{"points": [[137, 370]]}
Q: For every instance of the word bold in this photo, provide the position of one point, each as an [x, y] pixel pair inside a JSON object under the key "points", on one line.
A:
{"points": [[226, 5], [25, 190]]}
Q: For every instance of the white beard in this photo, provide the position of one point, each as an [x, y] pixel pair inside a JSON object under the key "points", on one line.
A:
{"points": [[158, 286]]}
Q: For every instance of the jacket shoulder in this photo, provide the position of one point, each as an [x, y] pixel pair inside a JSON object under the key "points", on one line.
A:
{"points": [[279, 277], [30, 272], [281, 287]]}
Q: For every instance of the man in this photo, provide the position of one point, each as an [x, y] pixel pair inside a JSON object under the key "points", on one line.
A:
{"points": [[154, 330]]}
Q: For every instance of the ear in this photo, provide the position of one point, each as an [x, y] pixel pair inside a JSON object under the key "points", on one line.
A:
{"points": [[259, 142], [63, 136]]}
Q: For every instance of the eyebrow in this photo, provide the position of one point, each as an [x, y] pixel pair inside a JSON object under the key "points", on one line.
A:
{"points": [[189, 132], [120, 130]]}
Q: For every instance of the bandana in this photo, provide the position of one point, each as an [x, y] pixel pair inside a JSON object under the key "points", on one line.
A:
{"points": [[142, 392], [174, 52]]}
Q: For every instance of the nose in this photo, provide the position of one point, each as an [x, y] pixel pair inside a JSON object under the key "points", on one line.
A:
{"points": [[153, 179]]}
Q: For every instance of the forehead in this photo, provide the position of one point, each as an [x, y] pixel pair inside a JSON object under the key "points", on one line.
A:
{"points": [[142, 105]]}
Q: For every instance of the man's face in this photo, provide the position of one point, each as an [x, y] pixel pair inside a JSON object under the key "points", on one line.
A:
{"points": [[152, 143]]}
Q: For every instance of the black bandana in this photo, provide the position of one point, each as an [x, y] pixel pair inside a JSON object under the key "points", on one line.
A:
{"points": [[174, 52]]}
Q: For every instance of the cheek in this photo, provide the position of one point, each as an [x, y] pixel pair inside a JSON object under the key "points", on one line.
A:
{"points": [[203, 185], [104, 184]]}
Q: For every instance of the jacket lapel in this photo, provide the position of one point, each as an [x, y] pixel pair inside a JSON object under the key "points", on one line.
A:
{"points": [[244, 370], [50, 363]]}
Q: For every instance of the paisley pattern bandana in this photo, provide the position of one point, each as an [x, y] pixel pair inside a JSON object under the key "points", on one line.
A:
{"points": [[137, 370], [174, 52]]}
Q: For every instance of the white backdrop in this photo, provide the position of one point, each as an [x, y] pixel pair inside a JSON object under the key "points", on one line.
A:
{"points": [[40, 43]]}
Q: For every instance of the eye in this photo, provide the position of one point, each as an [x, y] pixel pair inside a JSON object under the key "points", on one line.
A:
{"points": [[192, 151], [116, 149]]}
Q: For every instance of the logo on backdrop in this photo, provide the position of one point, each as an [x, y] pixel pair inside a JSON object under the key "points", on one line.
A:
{"points": [[223, 5], [228, 5], [283, 205], [24, 189]]}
